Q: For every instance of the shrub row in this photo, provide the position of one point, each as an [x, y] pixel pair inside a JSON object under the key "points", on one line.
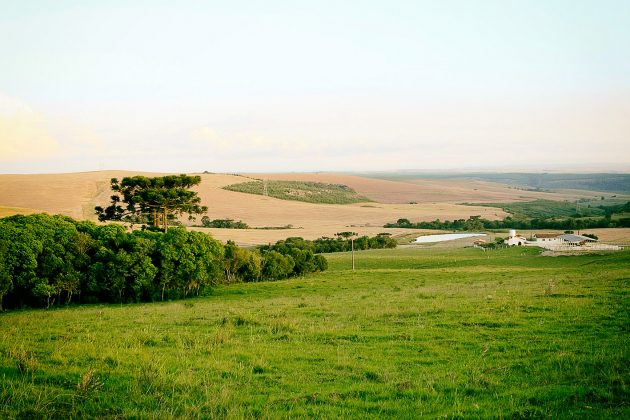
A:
{"points": [[327, 245], [223, 223], [475, 223]]}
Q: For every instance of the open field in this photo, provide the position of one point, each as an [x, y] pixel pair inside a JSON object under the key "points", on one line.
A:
{"points": [[76, 195], [422, 190], [73, 195], [414, 332], [9, 211], [611, 183]]}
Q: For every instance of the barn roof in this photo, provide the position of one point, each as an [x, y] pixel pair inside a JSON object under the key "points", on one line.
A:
{"points": [[546, 235], [569, 237]]}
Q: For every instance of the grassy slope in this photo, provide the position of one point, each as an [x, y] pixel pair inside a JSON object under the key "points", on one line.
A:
{"points": [[545, 209], [412, 332], [309, 192], [611, 182]]}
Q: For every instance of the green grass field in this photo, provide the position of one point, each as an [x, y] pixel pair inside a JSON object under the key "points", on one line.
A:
{"points": [[410, 333], [310, 192]]}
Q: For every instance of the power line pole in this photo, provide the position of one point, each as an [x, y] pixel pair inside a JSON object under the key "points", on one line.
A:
{"points": [[352, 241]]}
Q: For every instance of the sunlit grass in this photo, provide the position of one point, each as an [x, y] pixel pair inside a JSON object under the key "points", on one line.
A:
{"points": [[411, 332]]}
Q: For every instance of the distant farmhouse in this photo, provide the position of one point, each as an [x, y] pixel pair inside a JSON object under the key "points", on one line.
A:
{"points": [[545, 240], [559, 242], [515, 240]]}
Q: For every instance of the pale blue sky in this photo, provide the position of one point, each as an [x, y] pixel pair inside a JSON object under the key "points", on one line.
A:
{"points": [[322, 85]]}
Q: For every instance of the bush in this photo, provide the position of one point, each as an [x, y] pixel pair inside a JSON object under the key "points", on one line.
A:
{"points": [[223, 223]]}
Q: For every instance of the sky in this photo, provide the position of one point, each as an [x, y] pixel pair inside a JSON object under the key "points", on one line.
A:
{"points": [[300, 86]]}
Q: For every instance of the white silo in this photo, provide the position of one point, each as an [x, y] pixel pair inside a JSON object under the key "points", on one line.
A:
{"points": [[512, 233]]}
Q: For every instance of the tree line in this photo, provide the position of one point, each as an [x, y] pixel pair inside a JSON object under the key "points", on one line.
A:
{"points": [[51, 260], [475, 223], [324, 245]]}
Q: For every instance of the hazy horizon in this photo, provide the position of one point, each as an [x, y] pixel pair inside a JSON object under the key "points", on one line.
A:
{"points": [[247, 86]]}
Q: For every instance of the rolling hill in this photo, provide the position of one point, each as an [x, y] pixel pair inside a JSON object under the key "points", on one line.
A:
{"points": [[76, 194]]}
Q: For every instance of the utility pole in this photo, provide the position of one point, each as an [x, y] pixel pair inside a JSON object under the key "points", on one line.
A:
{"points": [[352, 241], [346, 236]]}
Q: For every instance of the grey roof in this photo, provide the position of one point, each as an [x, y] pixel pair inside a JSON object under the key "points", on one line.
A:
{"points": [[569, 237]]}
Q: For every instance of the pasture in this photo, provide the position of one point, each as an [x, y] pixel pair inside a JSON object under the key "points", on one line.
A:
{"points": [[309, 192], [412, 332]]}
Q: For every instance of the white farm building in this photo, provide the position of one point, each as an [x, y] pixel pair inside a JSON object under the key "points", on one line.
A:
{"points": [[566, 240], [559, 242], [515, 240]]}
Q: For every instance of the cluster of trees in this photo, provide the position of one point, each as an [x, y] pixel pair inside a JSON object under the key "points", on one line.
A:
{"points": [[470, 224], [616, 209], [47, 260], [476, 223], [341, 243]]}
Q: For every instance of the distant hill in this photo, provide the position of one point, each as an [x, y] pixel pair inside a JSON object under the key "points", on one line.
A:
{"points": [[76, 194], [605, 182]]}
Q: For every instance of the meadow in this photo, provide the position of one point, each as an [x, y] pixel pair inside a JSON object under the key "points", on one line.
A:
{"points": [[422, 331]]}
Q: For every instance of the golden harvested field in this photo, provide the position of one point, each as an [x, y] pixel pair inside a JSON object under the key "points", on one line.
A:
{"points": [[76, 194], [313, 220], [430, 190], [72, 194], [9, 211]]}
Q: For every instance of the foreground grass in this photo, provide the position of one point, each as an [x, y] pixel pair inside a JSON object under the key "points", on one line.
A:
{"points": [[412, 332]]}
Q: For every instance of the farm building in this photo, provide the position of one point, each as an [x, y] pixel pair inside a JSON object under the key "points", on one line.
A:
{"points": [[546, 240], [560, 242], [514, 239], [576, 240], [553, 240]]}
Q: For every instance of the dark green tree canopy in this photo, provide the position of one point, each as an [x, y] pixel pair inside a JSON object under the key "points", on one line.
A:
{"points": [[346, 234], [55, 260], [155, 200]]}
